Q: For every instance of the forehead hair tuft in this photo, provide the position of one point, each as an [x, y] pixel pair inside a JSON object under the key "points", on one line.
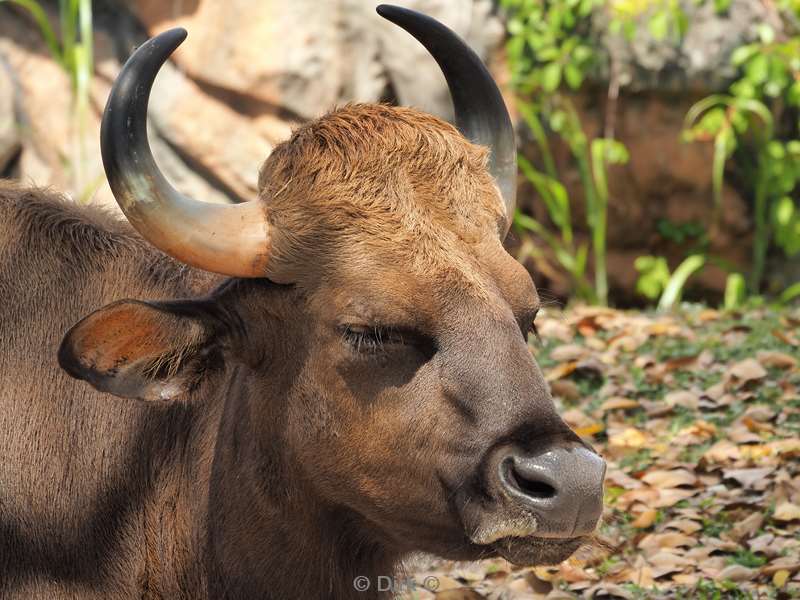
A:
{"points": [[367, 179], [362, 139]]}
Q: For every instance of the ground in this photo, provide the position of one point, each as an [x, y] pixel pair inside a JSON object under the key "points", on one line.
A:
{"points": [[698, 416]]}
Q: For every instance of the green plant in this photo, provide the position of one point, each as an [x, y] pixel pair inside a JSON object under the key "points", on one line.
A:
{"points": [[656, 281], [755, 126], [735, 291], [73, 51], [549, 54]]}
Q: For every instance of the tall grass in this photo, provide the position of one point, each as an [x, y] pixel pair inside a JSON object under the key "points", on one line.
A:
{"points": [[72, 49]]}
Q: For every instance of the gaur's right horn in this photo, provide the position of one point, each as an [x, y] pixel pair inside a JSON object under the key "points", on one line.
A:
{"points": [[228, 239], [481, 114]]}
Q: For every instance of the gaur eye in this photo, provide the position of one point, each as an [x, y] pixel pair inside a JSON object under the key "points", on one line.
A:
{"points": [[375, 339], [370, 340]]}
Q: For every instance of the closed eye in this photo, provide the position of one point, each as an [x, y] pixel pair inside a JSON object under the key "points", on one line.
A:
{"points": [[377, 339]]}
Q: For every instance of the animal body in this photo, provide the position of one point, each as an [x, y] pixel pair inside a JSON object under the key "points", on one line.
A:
{"points": [[271, 400]]}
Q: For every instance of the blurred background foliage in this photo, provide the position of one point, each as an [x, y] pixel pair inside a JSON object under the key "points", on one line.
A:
{"points": [[753, 125], [660, 139]]}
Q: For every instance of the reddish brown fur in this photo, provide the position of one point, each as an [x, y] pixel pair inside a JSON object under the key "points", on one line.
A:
{"points": [[282, 461]]}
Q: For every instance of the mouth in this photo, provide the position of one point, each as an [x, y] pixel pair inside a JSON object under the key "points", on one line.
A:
{"points": [[528, 551]]}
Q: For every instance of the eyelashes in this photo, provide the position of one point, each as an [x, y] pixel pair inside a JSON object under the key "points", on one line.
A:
{"points": [[372, 340]]}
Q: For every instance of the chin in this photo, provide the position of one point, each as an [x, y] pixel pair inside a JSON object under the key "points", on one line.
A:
{"points": [[521, 551], [536, 551]]}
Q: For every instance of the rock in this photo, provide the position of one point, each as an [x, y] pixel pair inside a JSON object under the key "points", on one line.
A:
{"points": [[248, 73], [304, 57], [280, 54], [700, 60], [9, 130], [48, 135], [223, 145], [412, 74], [44, 102]]}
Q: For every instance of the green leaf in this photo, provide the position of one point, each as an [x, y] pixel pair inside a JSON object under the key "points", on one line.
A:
{"points": [[659, 25], [558, 119], [757, 69], [551, 77], [773, 89], [573, 75], [765, 33], [793, 94], [553, 194], [653, 275], [743, 54], [721, 6], [790, 293], [582, 53], [735, 291], [674, 288], [744, 89], [783, 212]]}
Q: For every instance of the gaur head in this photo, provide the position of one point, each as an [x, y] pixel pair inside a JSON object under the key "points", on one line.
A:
{"points": [[376, 324]]}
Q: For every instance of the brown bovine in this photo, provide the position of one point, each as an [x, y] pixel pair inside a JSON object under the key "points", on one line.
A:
{"points": [[358, 389]]}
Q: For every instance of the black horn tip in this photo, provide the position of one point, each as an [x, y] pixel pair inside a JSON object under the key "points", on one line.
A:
{"points": [[169, 39], [400, 16]]}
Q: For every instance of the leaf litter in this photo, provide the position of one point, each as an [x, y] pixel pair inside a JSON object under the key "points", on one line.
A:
{"points": [[697, 414]]}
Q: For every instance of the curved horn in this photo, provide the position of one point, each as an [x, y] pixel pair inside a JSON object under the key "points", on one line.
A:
{"points": [[481, 114], [232, 240]]}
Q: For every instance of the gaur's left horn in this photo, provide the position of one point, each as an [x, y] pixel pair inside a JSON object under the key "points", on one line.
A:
{"points": [[228, 239], [481, 114]]}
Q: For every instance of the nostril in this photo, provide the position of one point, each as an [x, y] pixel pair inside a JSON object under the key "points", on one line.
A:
{"points": [[532, 488], [528, 482]]}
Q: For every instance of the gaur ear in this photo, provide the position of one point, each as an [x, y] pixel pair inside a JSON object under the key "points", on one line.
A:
{"points": [[140, 350]]}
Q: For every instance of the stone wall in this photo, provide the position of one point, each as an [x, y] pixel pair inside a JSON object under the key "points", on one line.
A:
{"points": [[249, 71]]}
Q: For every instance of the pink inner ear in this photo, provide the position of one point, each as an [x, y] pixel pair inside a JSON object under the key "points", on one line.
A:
{"points": [[119, 335]]}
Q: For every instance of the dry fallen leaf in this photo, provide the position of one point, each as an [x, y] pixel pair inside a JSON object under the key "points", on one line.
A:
{"points": [[682, 398], [566, 389], [747, 477], [747, 370], [645, 519], [562, 370], [618, 403], [669, 479], [589, 430], [776, 360], [666, 540], [721, 452], [671, 496], [761, 543], [780, 577], [628, 438], [747, 527], [684, 525], [786, 338], [569, 353], [786, 511], [738, 573]]}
